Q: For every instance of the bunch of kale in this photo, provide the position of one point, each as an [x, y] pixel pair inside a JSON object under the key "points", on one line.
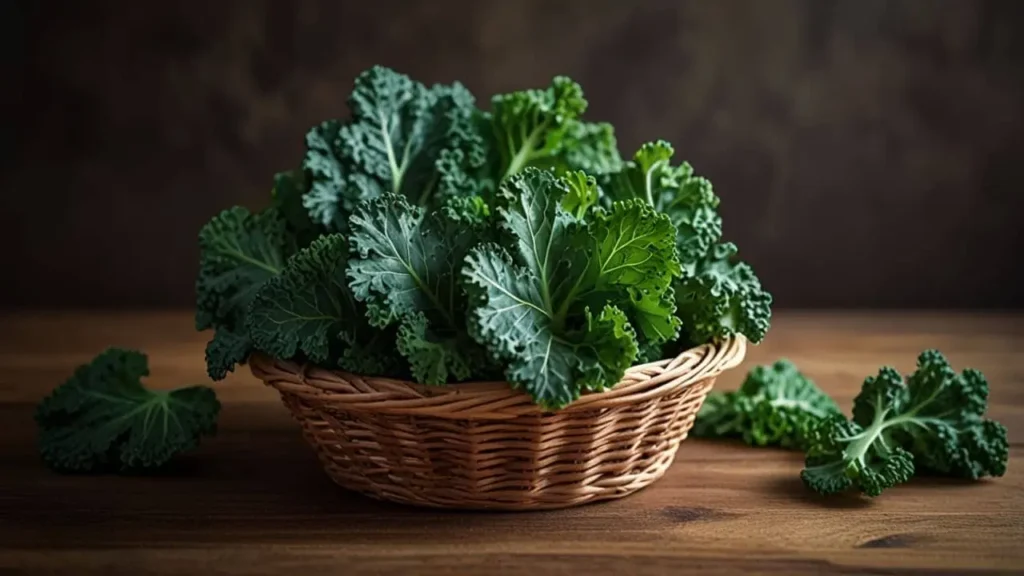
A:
{"points": [[426, 238]]}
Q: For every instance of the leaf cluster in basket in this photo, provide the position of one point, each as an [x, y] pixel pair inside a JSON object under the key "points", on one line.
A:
{"points": [[930, 422], [424, 237]]}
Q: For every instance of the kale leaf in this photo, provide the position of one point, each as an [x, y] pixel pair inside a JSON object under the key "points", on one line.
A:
{"points": [[398, 141], [309, 312], [776, 405], [720, 296], [239, 252], [550, 301], [538, 128], [932, 421], [405, 267], [103, 418], [717, 296]]}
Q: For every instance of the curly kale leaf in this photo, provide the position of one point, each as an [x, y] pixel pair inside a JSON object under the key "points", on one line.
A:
{"points": [[689, 200], [943, 424], [534, 295], [400, 140], [104, 419], [844, 455], [776, 405], [628, 257], [330, 197], [239, 252], [530, 125], [405, 266], [526, 128], [589, 147], [308, 311], [933, 420], [716, 295], [720, 296], [582, 193]]}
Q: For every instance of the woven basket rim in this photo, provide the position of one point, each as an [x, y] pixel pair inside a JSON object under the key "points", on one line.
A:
{"points": [[495, 400]]}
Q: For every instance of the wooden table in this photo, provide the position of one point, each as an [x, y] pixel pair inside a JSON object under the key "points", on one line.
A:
{"points": [[254, 500]]}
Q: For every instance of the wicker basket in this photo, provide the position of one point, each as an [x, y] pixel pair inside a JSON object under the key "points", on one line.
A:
{"points": [[486, 446]]}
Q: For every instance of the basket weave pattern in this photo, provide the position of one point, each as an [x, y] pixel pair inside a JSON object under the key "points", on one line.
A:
{"points": [[486, 446]]}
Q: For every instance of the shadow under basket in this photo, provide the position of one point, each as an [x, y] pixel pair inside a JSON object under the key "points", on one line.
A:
{"points": [[486, 446]]}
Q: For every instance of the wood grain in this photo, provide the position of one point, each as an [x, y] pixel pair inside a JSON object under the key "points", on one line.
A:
{"points": [[254, 500]]}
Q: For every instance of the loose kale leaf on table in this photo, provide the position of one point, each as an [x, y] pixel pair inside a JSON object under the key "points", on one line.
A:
{"points": [[930, 422], [776, 405], [104, 419]]}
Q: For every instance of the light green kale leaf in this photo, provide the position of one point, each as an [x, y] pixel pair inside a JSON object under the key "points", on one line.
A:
{"points": [[239, 252], [583, 193], [628, 257], [537, 128], [688, 200], [534, 295], [104, 419], [530, 125], [716, 295], [405, 266], [590, 147]]}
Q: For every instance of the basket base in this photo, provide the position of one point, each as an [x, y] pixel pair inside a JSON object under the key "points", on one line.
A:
{"points": [[536, 462]]}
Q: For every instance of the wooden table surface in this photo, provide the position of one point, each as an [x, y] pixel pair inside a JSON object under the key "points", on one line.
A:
{"points": [[253, 500]]}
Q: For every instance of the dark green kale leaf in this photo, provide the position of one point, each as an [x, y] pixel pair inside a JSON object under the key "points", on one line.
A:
{"points": [[104, 419], [405, 266], [286, 198], [309, 312], [944, 425], [932, 421], [551, 300], [400, 140], [844, 455], [720, 296], [776, 405], [239, 252]]}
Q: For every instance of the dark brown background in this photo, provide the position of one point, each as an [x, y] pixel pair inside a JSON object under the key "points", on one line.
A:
{"points": [[868, 153]]}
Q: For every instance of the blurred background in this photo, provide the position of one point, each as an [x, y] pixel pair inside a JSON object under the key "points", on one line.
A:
{"points": [[867, 152]]}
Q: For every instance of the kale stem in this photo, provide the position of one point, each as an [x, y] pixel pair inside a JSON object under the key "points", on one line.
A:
{"points": [[523, 155], [647, 181], [396, 171]]}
